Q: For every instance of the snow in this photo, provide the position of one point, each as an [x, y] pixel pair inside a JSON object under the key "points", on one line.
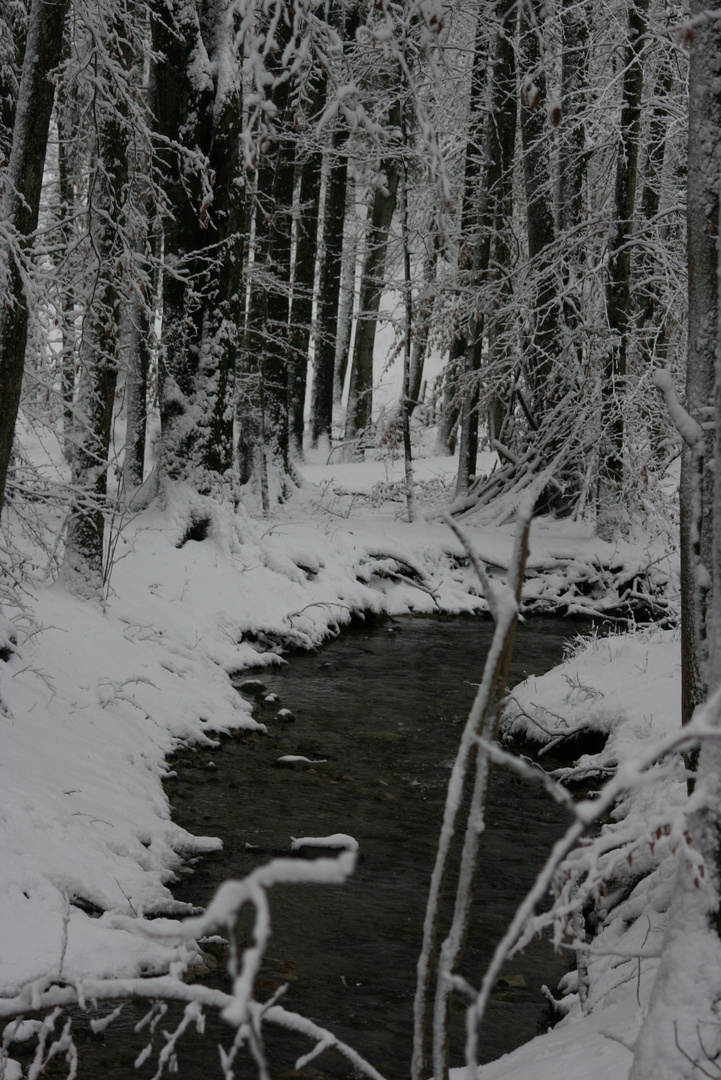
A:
{"points": [[577, 1049], [95, 697], [336, 841], [298, 759], [627, 687]]}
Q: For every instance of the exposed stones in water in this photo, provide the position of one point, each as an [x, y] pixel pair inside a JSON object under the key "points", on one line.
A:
{"points": [[296, 761], [253, 687]]}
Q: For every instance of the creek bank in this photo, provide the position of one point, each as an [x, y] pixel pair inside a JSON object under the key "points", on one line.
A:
{"points": [[385, 710]]}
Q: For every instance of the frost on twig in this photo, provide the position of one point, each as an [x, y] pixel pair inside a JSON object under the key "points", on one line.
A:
{"points": [[689, 429], [599, 859], [504, 602], [238, 1007]]}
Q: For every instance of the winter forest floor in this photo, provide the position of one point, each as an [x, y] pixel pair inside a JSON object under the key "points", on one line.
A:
{"points": [[93, 700]]}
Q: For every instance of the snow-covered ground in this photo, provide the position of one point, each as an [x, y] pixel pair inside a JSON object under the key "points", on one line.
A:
{"points": [[627, 686], [93, 698]]}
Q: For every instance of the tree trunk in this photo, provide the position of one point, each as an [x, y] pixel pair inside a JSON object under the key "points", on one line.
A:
{"points": [[425, 314], [142, 314], [99, 358], [224, 299], [360, 396], [544, 345], [279, 172], [648, 274], [696, 477], [66, 213], [174, 99], [269, 307], [306, 252], [451, 408], [679, 1036], [20, 204], [499, 142], [347, 296], [618, 290], [199, 122], [571, 157], [406, 405], [329, 287]]}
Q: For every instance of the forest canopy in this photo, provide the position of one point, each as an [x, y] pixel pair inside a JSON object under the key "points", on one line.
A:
{"points": [[210, 210]]}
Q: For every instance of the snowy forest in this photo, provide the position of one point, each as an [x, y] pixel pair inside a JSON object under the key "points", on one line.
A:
{"points": [[325, 311]]}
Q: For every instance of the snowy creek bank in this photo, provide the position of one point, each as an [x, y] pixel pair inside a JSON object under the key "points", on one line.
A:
{"points": [[377, 717], [94, 700]]}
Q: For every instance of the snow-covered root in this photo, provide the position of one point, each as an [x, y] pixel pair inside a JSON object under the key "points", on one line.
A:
{"points": [[239, 1008]]}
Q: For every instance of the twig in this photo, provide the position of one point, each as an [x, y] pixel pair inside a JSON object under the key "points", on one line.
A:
{"points": [[476, 563], [482, 717], [528, 770]]}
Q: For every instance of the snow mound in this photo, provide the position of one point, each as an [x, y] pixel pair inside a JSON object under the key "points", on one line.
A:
{"points": [[626, 686], [338, 841]]}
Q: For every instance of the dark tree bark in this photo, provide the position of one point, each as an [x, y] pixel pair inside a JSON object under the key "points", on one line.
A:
{"points": [[269, 307], [13, 32], [571, 155], [275, 197], [544, 345], [572, 131], [360, 396], [451, 408], [647, 272], [20, 204], [656, 145], [176, 102], [250, 394], [67, 121], [682, 1009], [500, 136], [203, 246], [423, 320], [619, 302], [697, 480], [225, 236], [331, 266], [500, 359], [99, 355], [301, 308]]}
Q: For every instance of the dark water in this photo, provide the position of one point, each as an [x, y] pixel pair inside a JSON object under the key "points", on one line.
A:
{"points": [[385, 710]]}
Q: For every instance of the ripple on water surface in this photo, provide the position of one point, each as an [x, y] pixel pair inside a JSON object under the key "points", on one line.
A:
{"points": [[378, 715]]}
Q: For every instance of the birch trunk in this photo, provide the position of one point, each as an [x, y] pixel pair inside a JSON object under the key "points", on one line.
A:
{"points": [[329, 287], [306, 254]]}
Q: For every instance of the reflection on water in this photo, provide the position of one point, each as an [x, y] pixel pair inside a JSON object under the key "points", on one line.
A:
{"points": [[384, 709]]}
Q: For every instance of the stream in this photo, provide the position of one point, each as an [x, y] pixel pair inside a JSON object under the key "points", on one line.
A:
{"points": [[378, 713]]}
